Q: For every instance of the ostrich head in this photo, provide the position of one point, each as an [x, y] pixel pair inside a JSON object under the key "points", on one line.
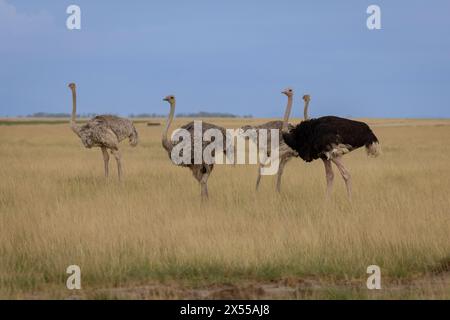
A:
{"points": [[72, 85], [307, 97], [288, 91], [170, 99]]}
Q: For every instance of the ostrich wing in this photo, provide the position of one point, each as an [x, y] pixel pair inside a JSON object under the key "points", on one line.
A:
{"points": [[121, 127], [94, 134], [268, 126], [205, 126]]}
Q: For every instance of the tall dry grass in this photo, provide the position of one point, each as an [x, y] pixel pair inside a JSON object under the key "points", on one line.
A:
{"points": [[56, 209]]}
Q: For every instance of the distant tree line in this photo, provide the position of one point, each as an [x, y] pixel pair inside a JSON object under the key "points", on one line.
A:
{"points": [[204, 114], [201, 114], [146, 115], [59, 115]]}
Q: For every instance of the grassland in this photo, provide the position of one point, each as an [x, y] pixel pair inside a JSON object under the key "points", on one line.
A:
{"points": [[149, 236]]}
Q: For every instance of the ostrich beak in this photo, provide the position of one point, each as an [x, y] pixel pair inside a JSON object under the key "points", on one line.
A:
{"points": [[166, 99]]}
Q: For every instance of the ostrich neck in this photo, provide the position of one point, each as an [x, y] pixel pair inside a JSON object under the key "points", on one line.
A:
{"points": [[166, 143], [74, 105], [73, 123], [287, 113], [305, 110]]}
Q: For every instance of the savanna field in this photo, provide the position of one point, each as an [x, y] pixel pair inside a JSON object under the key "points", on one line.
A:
{"points": [[151, 237]]}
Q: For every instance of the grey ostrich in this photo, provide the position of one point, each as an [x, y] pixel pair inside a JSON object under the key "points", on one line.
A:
{"points": [[285, 152], [105, 132], [201, 171]]}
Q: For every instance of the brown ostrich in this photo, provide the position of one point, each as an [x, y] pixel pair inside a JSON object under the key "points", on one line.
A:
{"points": [[285, 152], [201, 171], [105, 132]]}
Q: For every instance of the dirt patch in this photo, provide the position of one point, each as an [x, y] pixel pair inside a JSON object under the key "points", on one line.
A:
{"points": [[429, 287]]}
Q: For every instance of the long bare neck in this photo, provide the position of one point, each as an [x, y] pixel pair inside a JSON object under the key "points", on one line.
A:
{"points": [[73, 124], [287, 113], [305, 110], [165, 140]]}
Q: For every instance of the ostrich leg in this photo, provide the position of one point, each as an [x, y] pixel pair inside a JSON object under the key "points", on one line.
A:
{"points": [[280, 172], [201, 174], [345, 175], [204, 186], [258, 179], [330, 177], [106, 161], [117, 155]]}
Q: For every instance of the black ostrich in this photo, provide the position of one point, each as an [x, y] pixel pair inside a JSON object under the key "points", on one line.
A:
{"points": [[329, 138]]}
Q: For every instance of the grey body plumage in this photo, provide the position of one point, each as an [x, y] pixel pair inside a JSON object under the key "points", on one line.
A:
{"points": [[201, 172], [105, 132], [285, 152]]}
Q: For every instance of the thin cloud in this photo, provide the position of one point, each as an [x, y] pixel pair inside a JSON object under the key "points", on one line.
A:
{"points": [[19, 30]]}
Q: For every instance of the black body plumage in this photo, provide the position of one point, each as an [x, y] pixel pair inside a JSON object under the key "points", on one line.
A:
{"points": [[317, 138]]}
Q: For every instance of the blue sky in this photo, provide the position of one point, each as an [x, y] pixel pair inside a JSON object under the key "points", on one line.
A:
{"points": [[226, 56]]}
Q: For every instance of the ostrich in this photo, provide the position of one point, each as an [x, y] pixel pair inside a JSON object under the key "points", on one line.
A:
{"points": [[105, 132], [202, 171], [330, 138], [285, 152]]}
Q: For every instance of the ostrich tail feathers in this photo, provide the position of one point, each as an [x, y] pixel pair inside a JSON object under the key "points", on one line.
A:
{"points": [[373, 149], [134, 138]]}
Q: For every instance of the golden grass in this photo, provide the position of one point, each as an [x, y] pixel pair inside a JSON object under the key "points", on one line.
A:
{"points": [[56, 209]]}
